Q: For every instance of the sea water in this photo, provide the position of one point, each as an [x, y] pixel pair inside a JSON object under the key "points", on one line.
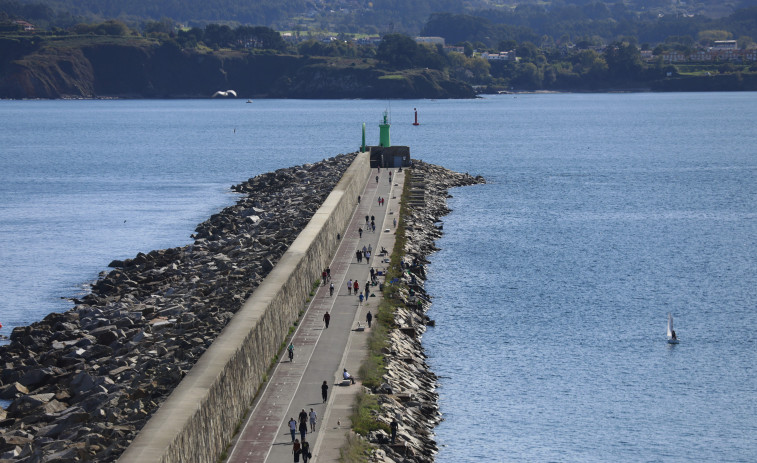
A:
{"points": [[601, 214]]}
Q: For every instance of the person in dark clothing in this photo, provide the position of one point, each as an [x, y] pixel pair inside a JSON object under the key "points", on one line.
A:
{"points": [[324, 391], [305, 452], [331, 291], [326, 316], [393, 426], [369, 318], [303, 416], [296, 450], [303, 429]]}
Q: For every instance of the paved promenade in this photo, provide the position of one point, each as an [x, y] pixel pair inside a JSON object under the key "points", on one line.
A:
{"points": [[320, 354]]}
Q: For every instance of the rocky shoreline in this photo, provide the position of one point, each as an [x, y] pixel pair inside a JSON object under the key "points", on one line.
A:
{"points": [[408, 393], [83, 383]]}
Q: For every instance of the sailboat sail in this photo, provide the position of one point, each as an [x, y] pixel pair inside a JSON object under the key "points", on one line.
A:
{"points": [[670, 326]]}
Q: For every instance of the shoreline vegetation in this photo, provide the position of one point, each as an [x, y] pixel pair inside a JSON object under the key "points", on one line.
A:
{"points": [[411, 50], [128, 66], [398, 384]]}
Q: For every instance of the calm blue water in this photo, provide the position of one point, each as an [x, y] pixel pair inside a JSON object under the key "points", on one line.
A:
{"points": [[602, 213]]}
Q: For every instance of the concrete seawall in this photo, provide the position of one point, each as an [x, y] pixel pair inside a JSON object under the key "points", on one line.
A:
{"points": [[200, 416]]}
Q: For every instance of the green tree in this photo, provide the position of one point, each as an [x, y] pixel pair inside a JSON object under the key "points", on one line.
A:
{"points": [[527, 76], [218, 36], [623, 61], [259, 37], [527, 51], [164, 26], [397, 50]]}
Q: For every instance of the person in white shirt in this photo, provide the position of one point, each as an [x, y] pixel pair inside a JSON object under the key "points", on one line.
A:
{"points": [[346, 375], [313, 418]]}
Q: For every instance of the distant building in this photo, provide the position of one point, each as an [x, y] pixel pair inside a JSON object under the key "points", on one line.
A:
{"points": [[430, 40], [710, 54], [26, 26], [725, 45], [372, 40], [449, 48], [501, 56]]}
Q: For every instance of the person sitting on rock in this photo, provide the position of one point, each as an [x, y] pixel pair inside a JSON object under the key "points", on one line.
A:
{"points": [[348, 376]]}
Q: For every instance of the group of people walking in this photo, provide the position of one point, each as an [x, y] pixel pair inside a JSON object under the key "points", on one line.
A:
{"points": [[302, 448], [363, 254]]}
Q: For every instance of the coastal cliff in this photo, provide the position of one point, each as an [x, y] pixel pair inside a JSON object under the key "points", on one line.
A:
{"points": [[132, 68]]}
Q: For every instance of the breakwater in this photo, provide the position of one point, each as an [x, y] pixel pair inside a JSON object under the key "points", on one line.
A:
{"points": [[84, 382], [407, 393]]}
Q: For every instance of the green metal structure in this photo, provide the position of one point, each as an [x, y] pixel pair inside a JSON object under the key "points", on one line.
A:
{"points": [[384, 132], [362, 148]]}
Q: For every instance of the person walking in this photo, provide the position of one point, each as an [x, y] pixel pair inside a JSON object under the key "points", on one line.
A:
{"points": [[290, 349], [296, 450], [313, 418], [328, 273], [357, 255], [358, 196], [303, 416], [331, 289], [324, 391], [306, 455], [323, 277], [367, 222], [367, 289], [349, 287], [369, 318], [326, 316], [393, 426], [361, 299], [356, 286], [360, 232], [370, 248], [293, 428], [395, 222], [367, 258], [377, 179], [303, 429]]}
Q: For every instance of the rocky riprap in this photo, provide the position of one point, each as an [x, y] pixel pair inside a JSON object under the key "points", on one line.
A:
{"points": [[408, 393], [84, 382]]}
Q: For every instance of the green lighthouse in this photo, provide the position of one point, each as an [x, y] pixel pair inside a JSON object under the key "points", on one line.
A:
{"points": [[384, 132]]}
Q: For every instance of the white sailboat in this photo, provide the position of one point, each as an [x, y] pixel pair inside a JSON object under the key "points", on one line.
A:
{"points": [[672, 338]]}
